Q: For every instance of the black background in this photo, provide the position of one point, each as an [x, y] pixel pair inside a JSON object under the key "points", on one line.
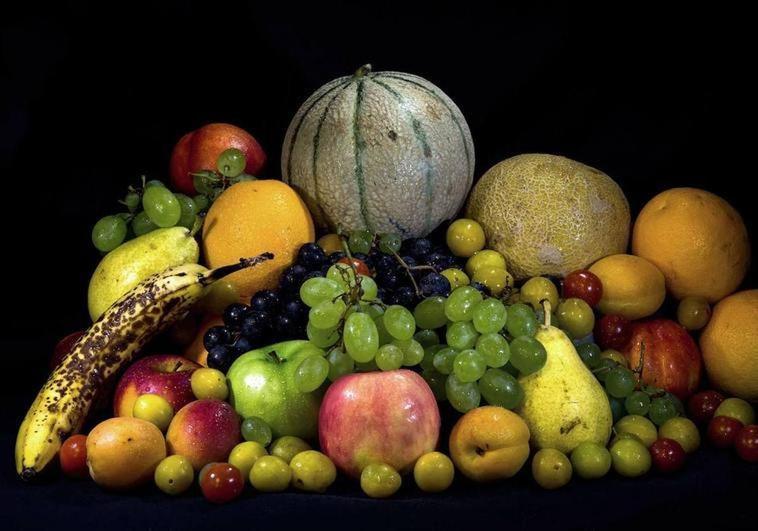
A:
{"points": [[89, 100]]}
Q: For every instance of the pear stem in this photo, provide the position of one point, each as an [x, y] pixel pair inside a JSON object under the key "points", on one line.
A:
{"points": [[546, 308]]}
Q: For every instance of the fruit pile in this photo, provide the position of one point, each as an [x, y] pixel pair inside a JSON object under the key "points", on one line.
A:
{"points": [[283, 359]]}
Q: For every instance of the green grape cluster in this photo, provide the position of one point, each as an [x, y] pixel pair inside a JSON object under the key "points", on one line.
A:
{"points": [[153, 205]]}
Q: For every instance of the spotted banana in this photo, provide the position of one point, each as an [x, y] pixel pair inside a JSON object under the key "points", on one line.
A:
{"points": [[112, 341]]}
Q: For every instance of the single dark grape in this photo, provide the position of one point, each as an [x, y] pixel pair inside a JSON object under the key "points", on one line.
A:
{"points": [[441, 261], [589, 352], [385, 262], [265, 300], [434, 284], [283, 324], [242, 345], [388, 278], [420, 248], [409, 261], [292, 277], [295, 309], [215, 336], [220, 358], [234, 314], [335, 257], [311, 256], [405, 296], [256, 324]]}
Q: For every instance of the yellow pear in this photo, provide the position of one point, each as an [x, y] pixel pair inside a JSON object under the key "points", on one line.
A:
{"points": [[564, 405], [129, 264]]}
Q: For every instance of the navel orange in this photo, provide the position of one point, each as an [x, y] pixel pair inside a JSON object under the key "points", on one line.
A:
{"points": [[696, 239], [253, 217]]}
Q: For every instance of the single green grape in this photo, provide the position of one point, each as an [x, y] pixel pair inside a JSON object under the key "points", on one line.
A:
{"points": [[427, 338], [637, 403], [154, 183], [369, 366], [142, 224], [399, 322], [461, 335], [132, 201], [322, 338], [361, 337], [161, 206], [617, 407], [590, 354], [342, 274], [521, 320], [620, 382], [384, 336], [469, 366], [604, 368], [369, 288], [575, 317], [430, 313], [231, 162], [527, 354], [462, 396], [311, 373], [443, 360], [389, 357], [427, 363], [189, 210], [390, 243], [373, 310], [360, 241], [413, 352], [108, 233], [257, 430], [318, 289], [327, 314], [340, 363], [201, 202], [494, 348], [436, 382], [501, 389], [459, 306], [662, 409], [489, 316]]}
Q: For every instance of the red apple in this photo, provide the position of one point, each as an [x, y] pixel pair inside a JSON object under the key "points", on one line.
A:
{"points": [[204, 431], [199, 150], [63, 347], [166, 375], [672, 360], [389, 417]]}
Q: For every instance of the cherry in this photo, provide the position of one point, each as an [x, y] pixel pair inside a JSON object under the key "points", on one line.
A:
{"points": [[701, 406], [667, 454], [746, 443], [360, 266], [585, 285], [221, 482], [612, 331], [723, 431], [73, 457]]}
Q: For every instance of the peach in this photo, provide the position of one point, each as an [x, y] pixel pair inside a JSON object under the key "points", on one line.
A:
{"points": [[489, 443], [123, 452], [204, 431]]}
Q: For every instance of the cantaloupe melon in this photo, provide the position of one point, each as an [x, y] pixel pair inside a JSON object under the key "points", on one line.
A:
{"points": [[383, 151], [549, 215]]}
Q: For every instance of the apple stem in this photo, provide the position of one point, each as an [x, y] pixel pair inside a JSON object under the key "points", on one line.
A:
{"points": [[274, 356]]}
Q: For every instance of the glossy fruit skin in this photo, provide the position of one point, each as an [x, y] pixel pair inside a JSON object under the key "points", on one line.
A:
{"points": [[702, 406], [630, 458], [464, 237], [389, 417], [583, 284], [244, 456], [312, 471], [746, 443], [551, 468], [73, 457], [639, 426], [723, 431], [174, 474], [154, 409], [672, 359], [270, 474], [379, 480], [632, 286], [693, 313], [667, 455], [63, 347], [591, 460], [738, 409], [575, 317], [612, 331], [209, 383], [537, 289], [360, 266], [287, 447], [434, 472], [200, 149], [683, 431], [221, 483]]}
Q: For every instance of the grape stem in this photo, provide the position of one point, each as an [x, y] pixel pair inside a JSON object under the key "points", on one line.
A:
{"points": [[409, 271]]}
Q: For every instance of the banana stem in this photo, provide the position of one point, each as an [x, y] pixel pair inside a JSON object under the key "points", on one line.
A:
{"points": [[220, 272]]}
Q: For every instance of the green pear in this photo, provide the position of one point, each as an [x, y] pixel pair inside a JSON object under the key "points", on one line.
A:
{"points": [[564, 405], [129, 264]]}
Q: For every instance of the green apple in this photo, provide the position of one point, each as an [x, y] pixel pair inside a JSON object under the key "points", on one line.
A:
{"points": [[262, 384]]}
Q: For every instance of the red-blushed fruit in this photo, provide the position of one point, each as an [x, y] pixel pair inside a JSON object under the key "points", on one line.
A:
{"points": [[667, 454], [672, 359], [723, 431], [701, 406], [199, 150], [165, 375], [63, 347], [360, 266], [222, 483], [583, 284], [204, 431], [73, 457], [746, 443], [612, 331], [389, 417]]}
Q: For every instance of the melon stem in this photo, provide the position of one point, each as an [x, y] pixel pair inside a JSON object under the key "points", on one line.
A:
{"points": [[362, 71]]}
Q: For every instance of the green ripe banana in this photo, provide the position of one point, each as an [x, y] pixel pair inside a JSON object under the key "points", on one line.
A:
{"points": [[112, 341]]}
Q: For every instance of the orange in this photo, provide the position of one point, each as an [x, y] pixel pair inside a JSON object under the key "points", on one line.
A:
{"points": [[195, 351], [697, 240], [489, 443], [729, 344], [632, 286], [253, 217]]}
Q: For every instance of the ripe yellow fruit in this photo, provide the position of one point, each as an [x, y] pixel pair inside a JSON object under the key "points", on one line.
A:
{"points": [[253, 217], [697, 240], [632, 286], [549, 215], [485, 258], [729, 344], [465, 237]]}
